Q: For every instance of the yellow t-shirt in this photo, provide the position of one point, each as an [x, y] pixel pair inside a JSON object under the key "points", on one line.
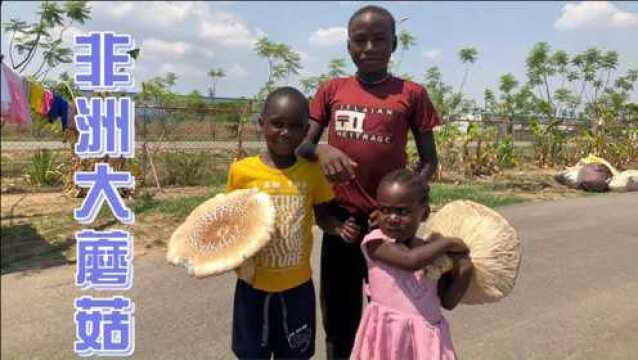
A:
{"points": [[285, 262]]}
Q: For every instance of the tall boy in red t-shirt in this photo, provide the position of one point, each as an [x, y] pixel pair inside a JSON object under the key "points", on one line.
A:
{"points": [[368, 117]]}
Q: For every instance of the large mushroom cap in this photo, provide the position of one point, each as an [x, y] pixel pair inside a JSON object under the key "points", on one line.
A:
{"points": [[221, 233], [494, 245]]}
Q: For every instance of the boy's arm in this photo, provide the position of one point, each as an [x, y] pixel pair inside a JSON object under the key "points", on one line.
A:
{"points": [[423, 120], [328, 223], [335, 164], [308, 147], [454, 284], [428, 158]]}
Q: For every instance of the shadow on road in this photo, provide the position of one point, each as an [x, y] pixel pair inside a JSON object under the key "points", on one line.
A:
{"points": [[24, 249]]}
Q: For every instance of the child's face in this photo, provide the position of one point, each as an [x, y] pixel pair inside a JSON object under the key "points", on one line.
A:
{"points": [[284, 126], [371, 42], [400, 211]]}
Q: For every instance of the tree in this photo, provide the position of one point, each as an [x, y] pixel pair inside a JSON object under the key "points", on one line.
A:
{"points": [[336, 68], [468, 57], [450, 102], [27, 39], [586, 82], [282, 62], [157, 90], [215, 74], [406, 40], [542, 66], [489, 101], [441, 94], [513, 105]]}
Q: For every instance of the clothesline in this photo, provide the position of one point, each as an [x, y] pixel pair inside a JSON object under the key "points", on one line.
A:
{"points": [[20, 97]]}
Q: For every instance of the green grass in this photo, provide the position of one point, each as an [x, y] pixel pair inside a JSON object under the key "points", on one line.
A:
{"points": [[53, 234], [443, 193], [179, 207]]}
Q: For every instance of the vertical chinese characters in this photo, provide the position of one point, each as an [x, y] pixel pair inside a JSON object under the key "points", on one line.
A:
{"points": [[106, 128]]}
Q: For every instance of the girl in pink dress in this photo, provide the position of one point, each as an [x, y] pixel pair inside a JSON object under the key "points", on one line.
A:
{"points": [[403, 318]]}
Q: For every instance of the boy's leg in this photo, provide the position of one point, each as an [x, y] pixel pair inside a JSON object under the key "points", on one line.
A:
{"points": [[295, 311], [250, 325], [343, 269]]}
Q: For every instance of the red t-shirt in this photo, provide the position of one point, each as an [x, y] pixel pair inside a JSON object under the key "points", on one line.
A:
{"points": [[370, 123]]}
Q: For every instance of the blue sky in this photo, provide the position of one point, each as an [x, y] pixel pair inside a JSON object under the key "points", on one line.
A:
{"points": [[189, 38]]}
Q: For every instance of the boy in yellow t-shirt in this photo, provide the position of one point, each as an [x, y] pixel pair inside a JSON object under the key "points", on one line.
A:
{"points": [[274, 309]]}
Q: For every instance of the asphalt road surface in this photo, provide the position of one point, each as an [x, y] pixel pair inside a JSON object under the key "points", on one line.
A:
{"points": [[576, 297]]}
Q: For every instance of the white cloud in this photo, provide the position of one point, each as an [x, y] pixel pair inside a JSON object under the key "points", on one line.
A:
{"points": [[304, 56], [431, 54], [159, 13], [237, 71], [158, 47], [67, 36], [594, 14], [117, 10], [227, 29], [331, 36]]}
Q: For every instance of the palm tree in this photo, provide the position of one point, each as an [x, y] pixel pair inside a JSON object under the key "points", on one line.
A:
{"points": [[468, 56], [406, 41], [215, 74]]}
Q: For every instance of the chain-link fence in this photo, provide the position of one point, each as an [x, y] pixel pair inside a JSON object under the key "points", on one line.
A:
{"points": [[194, 145]]}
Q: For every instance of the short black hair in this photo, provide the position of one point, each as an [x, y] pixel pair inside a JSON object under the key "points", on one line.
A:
{"points": [[377, 10], [410, 179], [286, 91]]}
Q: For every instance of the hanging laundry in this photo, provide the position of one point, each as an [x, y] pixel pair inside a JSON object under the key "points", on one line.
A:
{"points": [[70, 120], [47, 100], [5, 94], [36, 96], [59, 109], [26, 85], [18, 112]]}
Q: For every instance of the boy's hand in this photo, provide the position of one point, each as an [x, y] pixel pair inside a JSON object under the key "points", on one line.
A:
{"points": [[349, 230], [336, 165]]}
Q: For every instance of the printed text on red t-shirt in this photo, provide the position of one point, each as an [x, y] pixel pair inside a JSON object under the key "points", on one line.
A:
{"points": [[350, 123]]}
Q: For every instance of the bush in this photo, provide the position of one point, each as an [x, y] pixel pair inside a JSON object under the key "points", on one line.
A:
{"points": [[44, 169], [185, 169], [507, 157]]}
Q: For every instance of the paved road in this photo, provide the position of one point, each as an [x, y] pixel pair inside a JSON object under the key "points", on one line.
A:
{"points": [[576, 297]]}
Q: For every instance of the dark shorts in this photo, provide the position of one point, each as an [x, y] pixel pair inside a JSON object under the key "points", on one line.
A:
{"points": [[280, 324]]}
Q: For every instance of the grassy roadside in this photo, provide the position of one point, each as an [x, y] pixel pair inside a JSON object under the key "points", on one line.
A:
{"points": [[50, 235]]}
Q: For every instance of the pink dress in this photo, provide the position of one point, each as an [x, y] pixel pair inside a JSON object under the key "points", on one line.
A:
{"points": [[403, 319]]}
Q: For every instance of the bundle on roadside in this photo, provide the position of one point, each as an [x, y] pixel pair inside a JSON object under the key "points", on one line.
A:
{"points": [[596, 174]]}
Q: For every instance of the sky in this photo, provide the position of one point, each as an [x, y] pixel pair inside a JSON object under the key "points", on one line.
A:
{"points": [[190, 38]]}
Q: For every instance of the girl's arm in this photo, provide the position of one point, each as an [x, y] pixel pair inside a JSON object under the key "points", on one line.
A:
{"points": [[416, 258], [454, 284], [348, 230]]}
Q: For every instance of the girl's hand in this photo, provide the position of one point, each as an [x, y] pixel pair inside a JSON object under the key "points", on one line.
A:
{"points": [[349, 230], [462, 264], [336, 165], [456, 245], [373, 219]]}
